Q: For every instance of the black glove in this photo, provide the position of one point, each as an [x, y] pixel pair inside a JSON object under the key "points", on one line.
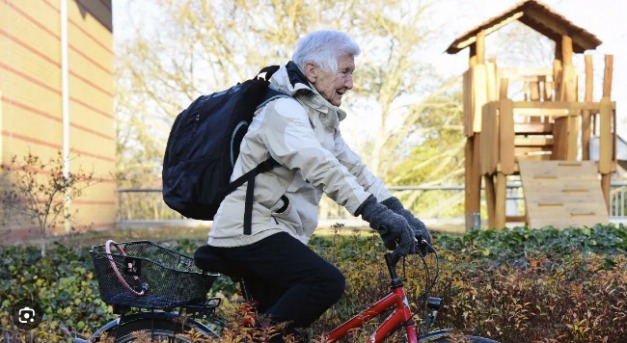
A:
{"points": [[419, 228], [392, 227]]}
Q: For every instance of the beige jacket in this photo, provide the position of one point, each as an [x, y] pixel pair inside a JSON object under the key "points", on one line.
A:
{"points": [[302, 133]]}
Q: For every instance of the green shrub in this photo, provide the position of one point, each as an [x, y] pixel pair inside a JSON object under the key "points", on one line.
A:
{"points": [[609, 240], [515, 285], [61, 283]]}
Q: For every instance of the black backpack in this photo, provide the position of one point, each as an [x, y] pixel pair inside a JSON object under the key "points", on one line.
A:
{"points": [[204, 144]]}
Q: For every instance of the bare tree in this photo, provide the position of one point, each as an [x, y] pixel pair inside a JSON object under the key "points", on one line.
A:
{"points": [[204, 46], [39, 191]]}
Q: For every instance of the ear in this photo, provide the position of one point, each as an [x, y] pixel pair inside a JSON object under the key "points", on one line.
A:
{"points": [[311, 72]]}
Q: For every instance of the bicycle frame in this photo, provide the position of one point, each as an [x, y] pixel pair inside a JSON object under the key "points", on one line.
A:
{"points": [[400, 316]]}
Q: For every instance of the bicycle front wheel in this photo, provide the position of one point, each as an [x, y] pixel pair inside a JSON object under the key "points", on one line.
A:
{"points": [[447, 336], [463, 339]]}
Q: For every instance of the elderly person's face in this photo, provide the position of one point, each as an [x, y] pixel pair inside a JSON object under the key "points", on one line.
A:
{"points": [[332, 86]]}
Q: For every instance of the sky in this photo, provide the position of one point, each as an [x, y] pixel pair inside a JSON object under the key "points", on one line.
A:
{"points": [[606, 19]]}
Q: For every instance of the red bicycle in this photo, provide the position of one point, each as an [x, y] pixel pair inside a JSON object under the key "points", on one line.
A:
{"points": [[401, 316], [146, 281]]}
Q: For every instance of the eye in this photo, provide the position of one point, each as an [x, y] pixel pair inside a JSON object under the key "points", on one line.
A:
{"points": [[346, 72]]}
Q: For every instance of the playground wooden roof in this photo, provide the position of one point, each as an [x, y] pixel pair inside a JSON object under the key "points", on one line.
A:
{"points": [[538, 17]]}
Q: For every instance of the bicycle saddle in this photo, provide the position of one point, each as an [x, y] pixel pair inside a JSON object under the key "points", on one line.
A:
{"points": [[209, 259]]}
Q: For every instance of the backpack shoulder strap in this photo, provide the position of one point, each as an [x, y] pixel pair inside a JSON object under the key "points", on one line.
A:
{"points": [[271, 95], [267, 72], [249, 177], [264, 166]]}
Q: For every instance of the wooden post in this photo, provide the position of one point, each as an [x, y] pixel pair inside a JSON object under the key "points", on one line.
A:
{"points": [[569, 82], [572, 135], [480, 47], [567, 50], [488, 150], [506, 158], [472, 55], [607, 76], [567, 91], [468, 176], [500, 192], [549, 85], [490, 196], [585, 118], [557, 79], [468, 102], [475, 183], [471, 200], [472, 176], [472, 150], [607, 148], [557, 70], [472, 192], [564, 127], [534, 95], [506, 137]]}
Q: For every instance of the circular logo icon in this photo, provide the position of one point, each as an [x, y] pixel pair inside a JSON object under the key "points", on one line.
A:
{"points": [[26, 314]]}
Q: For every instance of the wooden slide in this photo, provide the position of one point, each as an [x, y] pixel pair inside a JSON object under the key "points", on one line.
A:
{"points": [[562, 194]]}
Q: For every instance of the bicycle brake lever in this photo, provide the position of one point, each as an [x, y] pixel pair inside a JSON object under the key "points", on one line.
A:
{"points": [[424, 244]]}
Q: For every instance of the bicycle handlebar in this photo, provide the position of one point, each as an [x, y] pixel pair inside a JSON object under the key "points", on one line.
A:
{"points": [[392, 258]]}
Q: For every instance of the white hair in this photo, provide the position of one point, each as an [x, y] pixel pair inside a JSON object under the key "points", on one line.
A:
{"points": [[323, 48]]}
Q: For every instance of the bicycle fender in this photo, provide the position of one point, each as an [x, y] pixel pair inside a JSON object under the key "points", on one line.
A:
{"points": [[145, 315], [436, 335], [100, 330]]}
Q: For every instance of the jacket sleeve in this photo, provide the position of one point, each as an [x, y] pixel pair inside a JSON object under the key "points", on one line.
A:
{"points": [[291, 141], [351, 160]]}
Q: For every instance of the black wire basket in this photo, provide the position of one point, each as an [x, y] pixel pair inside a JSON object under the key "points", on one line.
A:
{"points": [[144, 275]]}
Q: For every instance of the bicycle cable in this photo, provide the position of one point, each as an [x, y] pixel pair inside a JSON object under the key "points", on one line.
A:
{"points": [[429, 282]]}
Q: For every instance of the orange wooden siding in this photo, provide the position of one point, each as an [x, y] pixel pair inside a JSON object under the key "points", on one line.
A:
{"points": [[31, 94]]}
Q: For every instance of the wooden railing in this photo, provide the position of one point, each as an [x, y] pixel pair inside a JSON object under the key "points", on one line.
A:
{"points": [[501, 133]]}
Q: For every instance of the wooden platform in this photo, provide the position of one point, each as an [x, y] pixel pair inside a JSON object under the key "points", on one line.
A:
{"points": [[562, 194]]}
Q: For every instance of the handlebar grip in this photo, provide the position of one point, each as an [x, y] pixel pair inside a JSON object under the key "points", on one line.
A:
{"points": [[392, 258]]}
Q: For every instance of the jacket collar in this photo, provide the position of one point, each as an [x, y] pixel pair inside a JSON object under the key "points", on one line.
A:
{"points": [[295, 75], [290, 79]]}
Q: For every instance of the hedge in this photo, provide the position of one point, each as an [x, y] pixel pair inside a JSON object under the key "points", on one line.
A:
{"points": [[514, 285]]}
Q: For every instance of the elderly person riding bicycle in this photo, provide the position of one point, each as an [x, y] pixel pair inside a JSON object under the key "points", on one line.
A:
{"points": [[290, 282]]}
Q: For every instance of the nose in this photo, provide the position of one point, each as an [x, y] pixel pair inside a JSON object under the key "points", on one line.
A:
{"points": [[348, 82]]}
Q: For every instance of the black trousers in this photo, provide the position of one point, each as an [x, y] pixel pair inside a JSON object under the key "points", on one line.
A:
{"points": [[288, 280]]}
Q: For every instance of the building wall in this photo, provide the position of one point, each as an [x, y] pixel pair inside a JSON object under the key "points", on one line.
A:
{"points": [[31, 94]]}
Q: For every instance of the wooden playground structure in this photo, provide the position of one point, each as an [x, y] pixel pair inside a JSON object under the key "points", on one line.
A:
{"points": [[544, 137]]}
